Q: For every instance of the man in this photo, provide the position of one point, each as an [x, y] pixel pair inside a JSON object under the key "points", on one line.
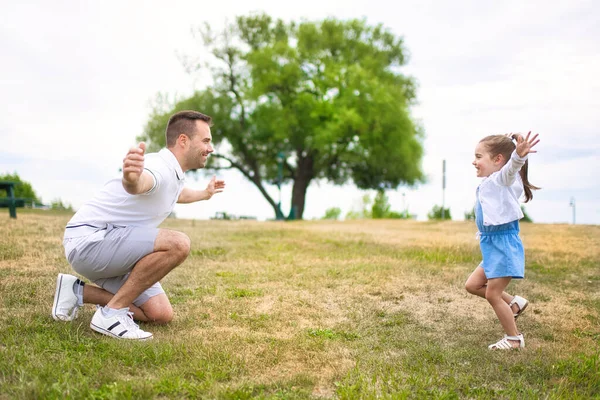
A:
{"points": [[114, 240]]}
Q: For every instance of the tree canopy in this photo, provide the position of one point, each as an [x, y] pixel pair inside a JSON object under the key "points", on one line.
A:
{"points": [[298, 102]]}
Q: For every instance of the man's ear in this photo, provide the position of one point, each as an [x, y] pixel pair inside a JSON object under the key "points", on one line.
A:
{"points": [[182, 139]]}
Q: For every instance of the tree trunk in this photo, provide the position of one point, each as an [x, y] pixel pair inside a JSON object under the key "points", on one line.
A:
{"points": [[304, 174], [254, 178]]}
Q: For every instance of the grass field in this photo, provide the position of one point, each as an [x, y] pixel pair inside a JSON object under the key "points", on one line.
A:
{"points": [[311, 309]]}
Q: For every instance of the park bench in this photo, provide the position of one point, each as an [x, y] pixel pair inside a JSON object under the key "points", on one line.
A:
{"points": [[10, 201]]}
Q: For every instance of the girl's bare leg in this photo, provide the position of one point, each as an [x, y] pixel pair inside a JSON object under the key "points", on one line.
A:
{"points": [[493, 295], [477, 284]]}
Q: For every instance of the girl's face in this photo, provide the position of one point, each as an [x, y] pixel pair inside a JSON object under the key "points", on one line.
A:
{"points": [[484, 163]]}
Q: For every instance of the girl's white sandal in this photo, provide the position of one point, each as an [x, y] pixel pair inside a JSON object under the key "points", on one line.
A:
{"points": [[521, 302], [505, 344]]}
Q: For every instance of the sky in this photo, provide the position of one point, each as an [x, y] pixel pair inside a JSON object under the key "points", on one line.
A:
{"points": [[78, 80]]}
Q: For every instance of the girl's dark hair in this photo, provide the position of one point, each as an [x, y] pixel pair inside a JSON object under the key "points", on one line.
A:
{"points": [[503, 144]]}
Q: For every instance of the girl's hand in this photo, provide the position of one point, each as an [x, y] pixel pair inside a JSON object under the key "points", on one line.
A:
{"points": [[525, 145]]}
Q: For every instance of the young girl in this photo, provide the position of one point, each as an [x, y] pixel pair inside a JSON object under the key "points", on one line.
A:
{"points": [[503, 165]]}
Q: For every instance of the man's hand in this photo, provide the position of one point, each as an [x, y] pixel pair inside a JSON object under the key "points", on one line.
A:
{"points": [[214, 186], [133, 166], [525, 145]]}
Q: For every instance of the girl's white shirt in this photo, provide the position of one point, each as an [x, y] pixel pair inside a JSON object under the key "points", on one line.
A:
{"points": [[499, 193]]}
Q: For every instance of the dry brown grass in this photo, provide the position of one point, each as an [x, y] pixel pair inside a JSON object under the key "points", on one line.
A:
{"points": [[309, 301]]}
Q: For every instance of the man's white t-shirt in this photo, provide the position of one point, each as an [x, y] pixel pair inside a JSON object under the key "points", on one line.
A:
{"points": [[113, 205]]}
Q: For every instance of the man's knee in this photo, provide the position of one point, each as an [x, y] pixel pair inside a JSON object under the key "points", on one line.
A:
{"points": [[181, 245], [162, 317], [158, 310], [177, 244]]}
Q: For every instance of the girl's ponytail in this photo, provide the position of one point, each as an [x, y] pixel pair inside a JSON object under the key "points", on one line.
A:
{"points": [[528, 187]]}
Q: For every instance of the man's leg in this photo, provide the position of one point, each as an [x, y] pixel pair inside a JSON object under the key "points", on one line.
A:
{"points": [[171, 248], [109, 255], [72, 293], [115, 320], [156, 309]]}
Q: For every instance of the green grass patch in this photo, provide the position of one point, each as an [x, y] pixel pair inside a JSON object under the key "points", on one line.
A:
{"points": [[213, 252], [236, 293], [307, 310]]}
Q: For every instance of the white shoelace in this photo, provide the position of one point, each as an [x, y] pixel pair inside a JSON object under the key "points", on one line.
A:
{"points": [[127, 320]]}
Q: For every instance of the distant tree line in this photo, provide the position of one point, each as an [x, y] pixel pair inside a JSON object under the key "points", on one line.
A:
{"points": [[379, 208]]}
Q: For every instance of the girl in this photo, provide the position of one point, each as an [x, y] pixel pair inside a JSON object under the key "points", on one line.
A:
{"points": [[497, 211]]}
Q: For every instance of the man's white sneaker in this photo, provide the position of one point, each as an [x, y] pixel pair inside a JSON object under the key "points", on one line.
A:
{"points": [[119, 325], [65, 301]]}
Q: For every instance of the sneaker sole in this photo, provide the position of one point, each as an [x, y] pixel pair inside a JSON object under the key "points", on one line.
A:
{"points": [[56, 296], [109, 333]]}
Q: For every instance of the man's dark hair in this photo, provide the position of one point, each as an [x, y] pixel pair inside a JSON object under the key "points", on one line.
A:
{"points": [[184, 122]]}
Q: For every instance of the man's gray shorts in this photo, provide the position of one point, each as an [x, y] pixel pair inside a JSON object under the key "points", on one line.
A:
{"points": [[107, 255]]}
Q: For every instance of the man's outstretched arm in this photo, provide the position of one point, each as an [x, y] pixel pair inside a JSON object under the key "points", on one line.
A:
{"points": [[190, 195]]}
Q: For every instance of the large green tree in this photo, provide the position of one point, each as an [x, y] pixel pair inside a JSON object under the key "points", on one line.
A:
{"points": [[295, 102]]}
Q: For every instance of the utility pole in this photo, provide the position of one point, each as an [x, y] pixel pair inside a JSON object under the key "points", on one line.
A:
{"points": [[443, 189], [572, 204]]}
